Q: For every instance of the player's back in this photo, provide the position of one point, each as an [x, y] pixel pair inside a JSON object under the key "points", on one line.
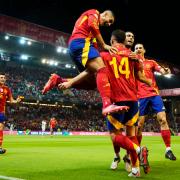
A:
{"points": [[121, 76], [82, 28]]}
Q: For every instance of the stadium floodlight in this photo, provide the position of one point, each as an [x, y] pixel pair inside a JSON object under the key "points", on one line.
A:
{"points": [[24, 57], [56, 63], [43, 61], [68, 66], [64, 51], [22, 41], [74, 67], [168, 76], [29, 43], [59, 49], [51, 62], [6, 37]]}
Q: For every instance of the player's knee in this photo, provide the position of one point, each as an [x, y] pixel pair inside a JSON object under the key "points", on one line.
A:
{"points": [[1, 126], [163, 121]]}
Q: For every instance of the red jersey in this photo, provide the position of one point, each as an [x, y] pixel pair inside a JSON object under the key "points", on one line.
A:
{"points": [[149, 67], [87, 26], [5, 94], [121, 75], [53, 123]]}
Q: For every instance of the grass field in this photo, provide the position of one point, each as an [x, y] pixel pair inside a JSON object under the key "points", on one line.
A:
{"points": [[79, 158]]}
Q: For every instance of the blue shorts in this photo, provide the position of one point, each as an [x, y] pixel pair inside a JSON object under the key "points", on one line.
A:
{"points": [[155, 102], [82, 50], [2, 117], [118, 121]]}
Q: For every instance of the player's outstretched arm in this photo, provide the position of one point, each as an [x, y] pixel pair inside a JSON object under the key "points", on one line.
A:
{"points": [[165, 71]]}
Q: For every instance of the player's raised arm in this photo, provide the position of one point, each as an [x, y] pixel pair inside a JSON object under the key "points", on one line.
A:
{"points": [[161, 69]]}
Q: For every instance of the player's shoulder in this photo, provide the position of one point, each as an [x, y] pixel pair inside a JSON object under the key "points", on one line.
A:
{"points": [[105, 55], [93, 11], [6, 88], [150, 60]]}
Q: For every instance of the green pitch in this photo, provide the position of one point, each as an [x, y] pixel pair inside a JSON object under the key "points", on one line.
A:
{"points": [[79, 158]]}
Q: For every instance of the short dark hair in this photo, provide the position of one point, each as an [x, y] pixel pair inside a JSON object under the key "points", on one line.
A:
{"points": [[120, 35], [2, 73]]}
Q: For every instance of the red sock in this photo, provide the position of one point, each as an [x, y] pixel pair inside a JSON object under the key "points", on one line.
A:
{"points": [[103, 86], [134, 139], [124, 142], [1, 137], [134, 157], [127, 144], [116, 148], [133, 154], [166, 135]]}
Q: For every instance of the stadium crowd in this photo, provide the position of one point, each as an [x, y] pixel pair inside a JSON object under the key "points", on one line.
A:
{"points": [[29, 81]]}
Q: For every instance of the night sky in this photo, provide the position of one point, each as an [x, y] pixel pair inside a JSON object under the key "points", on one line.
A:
{"points": [[154, 22]]}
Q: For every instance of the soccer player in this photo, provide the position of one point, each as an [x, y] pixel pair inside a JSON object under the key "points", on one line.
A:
{"points": [[149, 96], [121, 75], [52, 124], [123, 72], [129, 41], [5, 94], [43, 126], [86, 56]]}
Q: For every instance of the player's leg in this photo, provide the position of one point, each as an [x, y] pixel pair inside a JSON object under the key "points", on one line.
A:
{"points": [[118, 139], [53, 81], [115, 128], [135, 169], [158, 107], [51, 131], [43, 130], [85, 80], [2, 151], [143, 111], [2, 120], [116, 160], [166, 135], [131, 120], [140, 126], [131, 143]]}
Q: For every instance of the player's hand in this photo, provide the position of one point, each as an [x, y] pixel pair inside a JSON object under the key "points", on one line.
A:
{"points": [[112, 50], [133, 56], [19, 99], [65, 85]]}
